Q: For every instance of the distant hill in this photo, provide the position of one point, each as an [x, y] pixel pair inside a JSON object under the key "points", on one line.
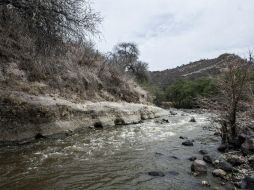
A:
{"points": [[193, 70]]}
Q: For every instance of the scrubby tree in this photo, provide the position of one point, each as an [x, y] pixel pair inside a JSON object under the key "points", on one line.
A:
{"points": [[126, 55], [233, 86], [50, 21]]}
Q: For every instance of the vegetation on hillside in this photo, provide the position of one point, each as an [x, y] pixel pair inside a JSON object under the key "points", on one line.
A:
{"points": [[183, 93], [45, 49]]}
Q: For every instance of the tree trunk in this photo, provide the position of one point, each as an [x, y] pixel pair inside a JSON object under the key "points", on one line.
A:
{"points": [[232, 120]]}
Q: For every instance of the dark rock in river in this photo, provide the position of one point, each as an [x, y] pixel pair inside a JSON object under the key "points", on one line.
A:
{"points": [[173, 113], [181, 137], [193, 120], [174, 157], [203, 152], [187, 143], [222, 148], [193, 158], [207, 159], [158, 154], [156, 174], [165, 121], [227, 167], [199, 167]]}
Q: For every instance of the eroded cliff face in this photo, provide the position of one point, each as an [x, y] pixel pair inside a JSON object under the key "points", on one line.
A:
{"points": [[24, 117]]}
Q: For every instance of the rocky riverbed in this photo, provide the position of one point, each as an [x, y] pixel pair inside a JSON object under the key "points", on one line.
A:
{"points": [[171, 152]]}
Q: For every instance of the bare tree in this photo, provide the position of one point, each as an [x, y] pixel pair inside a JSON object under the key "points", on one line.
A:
{"points": [[51, 21], [126, 55], [233, 87], [141, 71]]}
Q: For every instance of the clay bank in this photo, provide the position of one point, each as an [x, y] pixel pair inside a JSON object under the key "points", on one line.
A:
{"points": [[24, 117]]}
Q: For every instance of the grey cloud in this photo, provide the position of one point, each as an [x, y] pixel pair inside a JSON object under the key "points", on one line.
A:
{"points": [[174, 32]]}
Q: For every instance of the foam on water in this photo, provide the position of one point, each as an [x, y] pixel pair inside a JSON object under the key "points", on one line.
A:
{"points": [[113, 158]]}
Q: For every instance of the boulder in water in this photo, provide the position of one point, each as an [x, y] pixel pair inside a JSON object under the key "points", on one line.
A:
{"points": [[199, 167], [203, 152], [222, 148], [207, 159], [219, 173], [188, 143], [225, 166]]}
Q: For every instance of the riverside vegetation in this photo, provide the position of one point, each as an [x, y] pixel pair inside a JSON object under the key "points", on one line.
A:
{"points": [[53, 82]]}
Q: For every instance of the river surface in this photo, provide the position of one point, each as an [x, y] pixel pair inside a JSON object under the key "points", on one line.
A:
{"points": [[114, 158]]}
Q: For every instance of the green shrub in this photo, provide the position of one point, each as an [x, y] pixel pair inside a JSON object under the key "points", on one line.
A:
{"points": [[184, 92]]}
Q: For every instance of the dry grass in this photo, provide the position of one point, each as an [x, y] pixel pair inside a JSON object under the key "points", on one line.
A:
{"points": [[79, 74]]}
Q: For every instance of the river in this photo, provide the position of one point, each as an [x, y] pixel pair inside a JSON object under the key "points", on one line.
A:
{"points": [[114, 158]]}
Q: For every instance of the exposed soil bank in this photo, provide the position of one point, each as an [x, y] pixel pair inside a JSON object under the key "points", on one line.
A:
{"points": [[26, 117]]}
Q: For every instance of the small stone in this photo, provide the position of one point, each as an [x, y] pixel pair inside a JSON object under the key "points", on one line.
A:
{"points": [[158, 154], [199, 167], [203, 152], [181, 137], [193, 120], [173, 113], [222, 148], [216, 162], [188, 143], [205, 183], [193, 158], [207, 159], [165, 120], [175, 157], [156, 174], [219, 173], [225, 166], [217, 134]]}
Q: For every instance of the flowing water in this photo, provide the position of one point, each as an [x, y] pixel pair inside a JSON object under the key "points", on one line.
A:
{"points": [[114, 158]]}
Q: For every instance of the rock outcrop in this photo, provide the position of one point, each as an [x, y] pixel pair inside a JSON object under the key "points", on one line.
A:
{"points": [[25, 117]]}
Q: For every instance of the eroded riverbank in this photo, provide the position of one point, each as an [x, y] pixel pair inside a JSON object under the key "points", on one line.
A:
{"points": [[25, 118], [116, 157]]}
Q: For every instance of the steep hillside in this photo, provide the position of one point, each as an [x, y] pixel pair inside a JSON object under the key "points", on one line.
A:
{"points": [[194, 70]]}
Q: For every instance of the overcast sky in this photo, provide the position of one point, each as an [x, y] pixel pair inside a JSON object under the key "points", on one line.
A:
{"points": [[174, 32]]}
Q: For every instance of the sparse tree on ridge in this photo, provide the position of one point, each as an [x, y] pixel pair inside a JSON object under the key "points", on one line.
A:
{"points": [[126, 56]]}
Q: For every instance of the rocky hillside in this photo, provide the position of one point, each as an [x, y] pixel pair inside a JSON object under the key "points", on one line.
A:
{"points": [[194, 70]]}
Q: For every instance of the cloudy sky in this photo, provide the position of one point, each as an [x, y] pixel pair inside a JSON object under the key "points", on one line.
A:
{"points": [[174, 32]]}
